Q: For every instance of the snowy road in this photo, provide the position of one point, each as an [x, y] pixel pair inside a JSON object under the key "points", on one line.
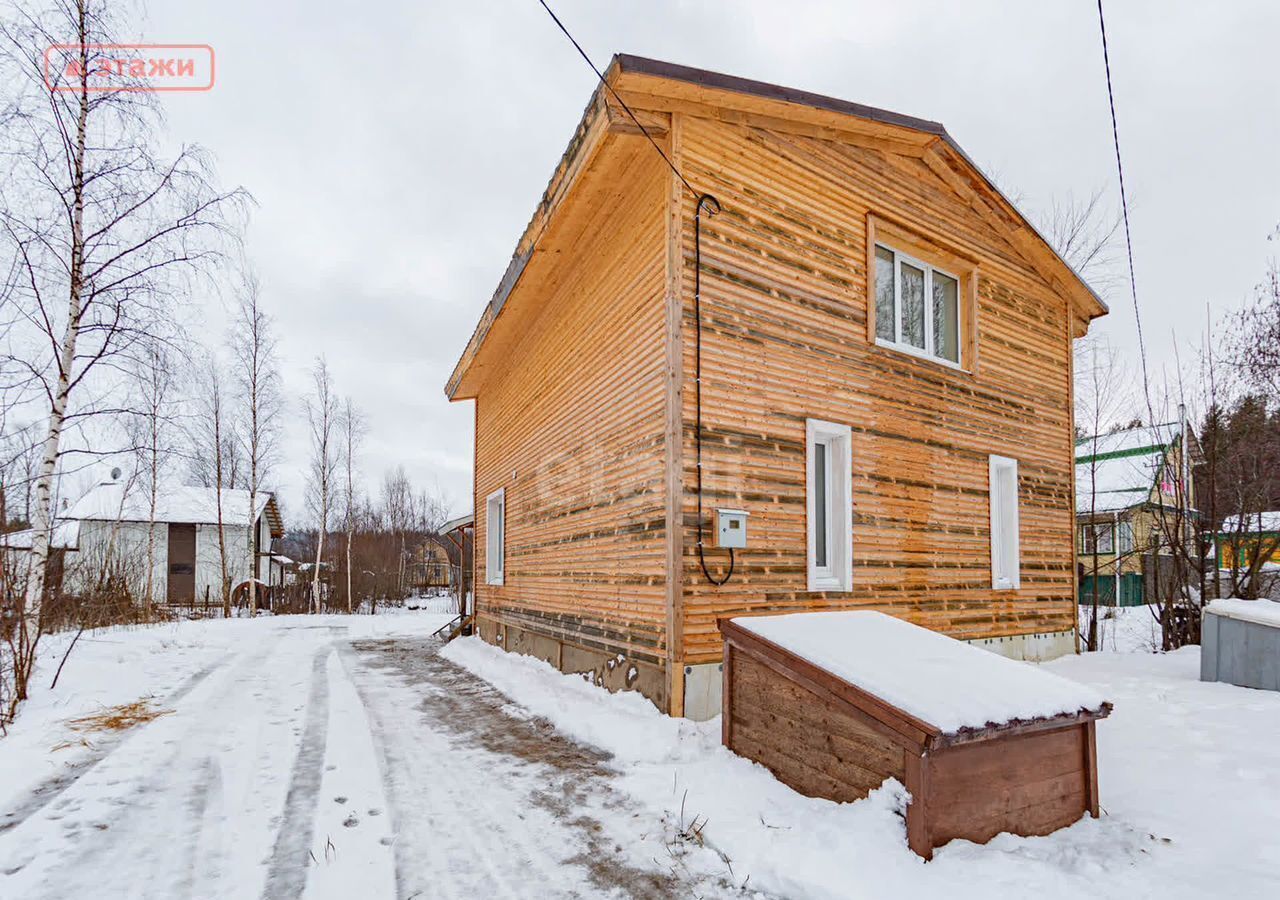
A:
{"points": [[312, 758]]}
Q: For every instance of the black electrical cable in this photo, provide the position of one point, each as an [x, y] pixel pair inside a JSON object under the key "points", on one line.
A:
{"points": [[609, 88], [1124, 208], [713, 207]]}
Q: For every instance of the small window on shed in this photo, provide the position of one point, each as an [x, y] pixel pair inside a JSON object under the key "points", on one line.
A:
{"points": [[1003, 490], [495, 537], [829, 480]]}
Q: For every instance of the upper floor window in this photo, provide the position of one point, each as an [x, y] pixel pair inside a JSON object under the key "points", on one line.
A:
{"points": [[917, 306]]}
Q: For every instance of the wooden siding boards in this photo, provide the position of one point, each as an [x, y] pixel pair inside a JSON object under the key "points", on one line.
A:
{"points": [[573, 430], [784, 339]]}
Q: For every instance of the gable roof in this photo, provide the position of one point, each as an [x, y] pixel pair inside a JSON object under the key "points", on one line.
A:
{"points": [[717, 91], [111, 501], [1258, 523]]}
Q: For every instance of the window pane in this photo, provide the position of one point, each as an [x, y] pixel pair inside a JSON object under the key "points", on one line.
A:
{"points": [[946, 317], [820, 504], [502, 536], [912, 306], [884, 294]]}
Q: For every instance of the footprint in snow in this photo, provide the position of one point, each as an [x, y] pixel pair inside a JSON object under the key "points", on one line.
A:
{"points": [[350, 821], [375, 812], [340, 799]]}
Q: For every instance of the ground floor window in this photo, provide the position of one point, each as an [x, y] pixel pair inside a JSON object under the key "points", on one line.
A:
{"points": [[495, 537], [1005, 553], [829, 490]]}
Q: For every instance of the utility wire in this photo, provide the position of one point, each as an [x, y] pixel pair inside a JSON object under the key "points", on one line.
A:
{"points": [[623, 103], [712, 206], [1124, 208]]}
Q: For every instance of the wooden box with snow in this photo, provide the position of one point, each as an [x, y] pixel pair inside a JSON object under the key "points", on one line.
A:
{"points": [[835, 703]]}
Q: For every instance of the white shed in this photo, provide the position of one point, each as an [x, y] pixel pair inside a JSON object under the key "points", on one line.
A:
{"points": [[114, 520]]}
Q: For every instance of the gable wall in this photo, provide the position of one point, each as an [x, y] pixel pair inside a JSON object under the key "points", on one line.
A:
{"points": [[785, 338]]}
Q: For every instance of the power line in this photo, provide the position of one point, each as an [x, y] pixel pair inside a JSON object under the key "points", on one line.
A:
{"points": [[1124, 208], [712, 206], [622, 102]]}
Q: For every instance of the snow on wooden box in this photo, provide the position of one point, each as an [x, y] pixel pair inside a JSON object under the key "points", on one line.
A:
{"points": [[834, 703]]}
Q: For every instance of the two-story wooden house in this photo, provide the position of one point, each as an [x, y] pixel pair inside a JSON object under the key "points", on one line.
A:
{"points": [[853, 362]]}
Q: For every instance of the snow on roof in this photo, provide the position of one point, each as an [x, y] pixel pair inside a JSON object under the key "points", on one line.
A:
{"points": [[1262, 612], [65, 536], [1254, 523], [181, 504], [1118, 470], [1128, 440], [1107, 485], [947, 683], [468, 519]]}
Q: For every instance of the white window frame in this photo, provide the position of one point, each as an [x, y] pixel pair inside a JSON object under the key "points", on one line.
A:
{"points": [[928, 351], [495, 540], [999, 581], [837, 575], [1100, 532]]}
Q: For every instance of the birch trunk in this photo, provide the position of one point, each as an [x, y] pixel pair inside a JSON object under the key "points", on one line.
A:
{"points": [[349, 603], [42, 514]]}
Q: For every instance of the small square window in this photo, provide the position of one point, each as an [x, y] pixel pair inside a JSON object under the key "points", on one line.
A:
{"points": [[917, 307]]}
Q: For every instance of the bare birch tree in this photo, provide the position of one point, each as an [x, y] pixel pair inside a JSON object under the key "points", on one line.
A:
{"points": [[323, 416], [154, 426], [397, 505], [213, 455], [257, 375], [353, 430], [103, 232]]}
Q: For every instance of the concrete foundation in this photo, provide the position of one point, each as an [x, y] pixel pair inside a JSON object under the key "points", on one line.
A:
{"points": [[612, 671], [1031, 647]]}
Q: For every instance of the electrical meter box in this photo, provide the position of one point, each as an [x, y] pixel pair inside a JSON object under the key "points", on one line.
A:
{"points": [[731, 528]]}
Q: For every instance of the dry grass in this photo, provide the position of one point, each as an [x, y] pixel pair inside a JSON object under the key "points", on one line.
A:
{"points": [[118, 718]]}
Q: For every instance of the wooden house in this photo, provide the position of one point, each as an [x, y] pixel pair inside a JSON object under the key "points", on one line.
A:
{"points": [[1133, 495], [829, 335]]}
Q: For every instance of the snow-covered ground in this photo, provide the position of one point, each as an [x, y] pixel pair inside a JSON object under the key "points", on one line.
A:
{"points": [[345, 756]]}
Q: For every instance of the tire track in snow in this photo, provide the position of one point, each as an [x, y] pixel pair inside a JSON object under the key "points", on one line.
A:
{"points": [[287, 877], [52, 788], [486, 803]]}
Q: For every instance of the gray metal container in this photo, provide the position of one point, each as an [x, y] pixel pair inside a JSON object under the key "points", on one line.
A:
{"points": [[1240, 651]]}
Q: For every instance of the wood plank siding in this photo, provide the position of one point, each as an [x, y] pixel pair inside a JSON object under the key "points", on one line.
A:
{"points": [[785, 338], [582, 371], [574, 433]]}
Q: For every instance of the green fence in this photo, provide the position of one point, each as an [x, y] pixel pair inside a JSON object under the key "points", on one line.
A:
{"points": [[1131, 593]]}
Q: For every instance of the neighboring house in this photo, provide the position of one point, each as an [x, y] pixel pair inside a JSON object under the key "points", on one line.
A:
{"points": [[1249, 540], [883, 409], [1129, 495], [113, 528]]}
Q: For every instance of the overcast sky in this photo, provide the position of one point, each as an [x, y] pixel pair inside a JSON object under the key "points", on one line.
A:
{"points": [[397, 149]]}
